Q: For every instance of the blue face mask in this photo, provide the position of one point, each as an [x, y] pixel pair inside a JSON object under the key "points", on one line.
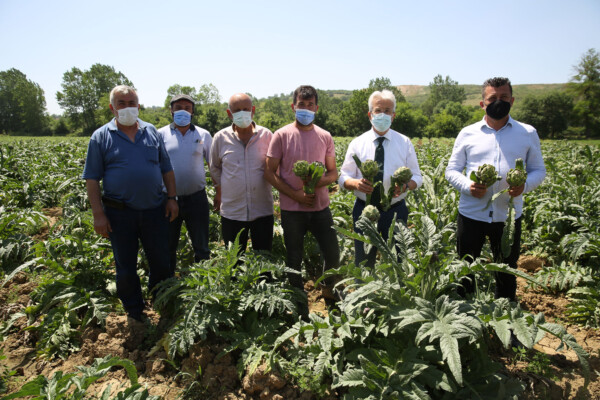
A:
{"points": [[305, 117], [182, 118], [381, 122]]}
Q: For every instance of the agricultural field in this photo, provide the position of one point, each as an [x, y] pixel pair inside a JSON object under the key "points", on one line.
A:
{"points": [[220, 331]]}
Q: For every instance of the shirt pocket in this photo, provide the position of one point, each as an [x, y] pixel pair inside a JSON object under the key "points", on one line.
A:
{"points": [[199, 147], [151, 154]]}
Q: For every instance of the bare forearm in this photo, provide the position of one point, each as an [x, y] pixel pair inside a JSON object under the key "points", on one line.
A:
{"points": [[327, 178], [94, 196], [278, 183], [169, 180]]}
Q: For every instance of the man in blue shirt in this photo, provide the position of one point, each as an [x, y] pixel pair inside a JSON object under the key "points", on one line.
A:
{"points": [[497, 140], [128, 155], [188, 146]]}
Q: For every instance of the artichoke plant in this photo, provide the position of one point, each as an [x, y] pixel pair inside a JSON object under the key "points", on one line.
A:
{"points": [[517, 175], [486, 175], [401, 176], [371, 213], [368, 169], [301, 169]]}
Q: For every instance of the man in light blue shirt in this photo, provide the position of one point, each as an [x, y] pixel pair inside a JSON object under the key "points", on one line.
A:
{"points": [[497, 140], [188, 146]]}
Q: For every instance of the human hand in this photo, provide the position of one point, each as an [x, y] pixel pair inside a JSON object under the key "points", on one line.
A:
{"points": [[516, 190], [217, 202], [307, 200], [478, 190], [364, 185], [102, 225], [171, 210]]}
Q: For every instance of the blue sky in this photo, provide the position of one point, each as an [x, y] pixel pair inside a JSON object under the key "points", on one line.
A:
{"points": [[270, 47]]}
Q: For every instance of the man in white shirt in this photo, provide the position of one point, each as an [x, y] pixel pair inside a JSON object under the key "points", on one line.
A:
{"points": [[387, 147], [497, 140], [243, 196], [188, 147]]}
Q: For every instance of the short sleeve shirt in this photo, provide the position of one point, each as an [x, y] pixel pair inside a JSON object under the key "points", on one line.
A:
{"points": [[131, 172], [289, 144]]}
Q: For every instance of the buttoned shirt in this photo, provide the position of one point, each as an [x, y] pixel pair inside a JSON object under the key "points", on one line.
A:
{"points": [[289, 145], [480, 144], [132, 172], [398, 152], [187, 153], [238, 169]]}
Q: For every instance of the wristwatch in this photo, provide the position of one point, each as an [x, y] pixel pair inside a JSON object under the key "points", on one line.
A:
{"points": [[172, 198]]}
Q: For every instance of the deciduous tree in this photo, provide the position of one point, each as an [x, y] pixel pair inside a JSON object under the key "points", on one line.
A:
{"points": [[22, 104], [585, 85], [82, 91]]}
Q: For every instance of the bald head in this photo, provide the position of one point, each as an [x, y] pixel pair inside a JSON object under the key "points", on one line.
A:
{"points": [[240, 102]]}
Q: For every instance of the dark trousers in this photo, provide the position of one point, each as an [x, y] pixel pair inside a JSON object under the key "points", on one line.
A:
{"points": [[295, 224], [129, 227], [471, 236], [397, 211], [193, 210], [261, 232]]}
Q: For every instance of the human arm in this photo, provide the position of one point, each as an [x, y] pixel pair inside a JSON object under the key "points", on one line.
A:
{"points": [[171, 208], [454, 171], [101, 222], [350, 176], [271, 176], [534, 164]]}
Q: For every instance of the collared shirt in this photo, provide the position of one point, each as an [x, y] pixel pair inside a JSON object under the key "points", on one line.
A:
{"points": [[238, 169], [398, 152], [187, 153], [480, 144], [289, 144], [132, 172]]}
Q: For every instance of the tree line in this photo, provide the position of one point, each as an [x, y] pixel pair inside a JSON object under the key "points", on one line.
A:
{"points": [[567, 113]]}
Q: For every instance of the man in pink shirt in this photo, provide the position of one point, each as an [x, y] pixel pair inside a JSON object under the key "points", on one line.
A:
{"points": [[301, 212]]}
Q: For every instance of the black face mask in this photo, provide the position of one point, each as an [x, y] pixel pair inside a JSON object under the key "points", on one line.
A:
{"points": [[498, 109]]}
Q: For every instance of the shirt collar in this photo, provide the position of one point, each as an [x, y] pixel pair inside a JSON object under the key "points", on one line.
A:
{"points": [[509, 123], [375, 135], [174, 127], [112, 125], [233, 126]]}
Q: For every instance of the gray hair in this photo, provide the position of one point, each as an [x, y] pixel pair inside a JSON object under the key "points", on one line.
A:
{"points": [[122, 89], [384, 94]]}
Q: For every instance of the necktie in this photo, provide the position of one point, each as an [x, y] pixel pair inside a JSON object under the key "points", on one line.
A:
{"points": [[379, 157]]}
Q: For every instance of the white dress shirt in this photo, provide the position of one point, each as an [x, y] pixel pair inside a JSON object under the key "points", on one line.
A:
{"points": [[480, 144], [187, 153], [238, 169], [398, 152]]}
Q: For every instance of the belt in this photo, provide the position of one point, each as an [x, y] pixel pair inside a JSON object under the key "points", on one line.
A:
{"points": [[112, 203], [185, 196]]}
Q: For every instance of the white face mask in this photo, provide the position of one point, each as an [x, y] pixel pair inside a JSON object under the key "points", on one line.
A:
{"points": [[242, 119], [381, 122], [127, 116]]}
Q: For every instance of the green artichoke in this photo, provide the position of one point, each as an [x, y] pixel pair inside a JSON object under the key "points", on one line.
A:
{"points": [[301, 169], [517, 176], [577, 169], [485, 175], [401, 176], [367, 168], [371, 213]]}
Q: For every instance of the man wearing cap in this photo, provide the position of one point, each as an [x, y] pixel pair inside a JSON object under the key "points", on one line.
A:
{"points": [[244, 198], [128, 155], [188, 146]]}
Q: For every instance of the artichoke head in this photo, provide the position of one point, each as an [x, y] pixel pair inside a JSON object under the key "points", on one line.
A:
{"points": [[371, 213], [401, 176], [486, 175], [369, 169], [301, 169], [517, 176], [577, 169]]}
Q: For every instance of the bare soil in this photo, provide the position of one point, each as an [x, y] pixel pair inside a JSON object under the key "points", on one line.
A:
{"points": [[215, 375]]}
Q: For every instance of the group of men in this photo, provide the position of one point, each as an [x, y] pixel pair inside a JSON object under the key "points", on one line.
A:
{"points": [[154, 180]]}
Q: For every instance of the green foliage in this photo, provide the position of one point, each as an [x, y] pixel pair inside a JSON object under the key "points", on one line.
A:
{"points": [[585, 85], [22, 104], [443, 89], [82, 91], [74, 386], [549, 113], [309, 173], [485, 175]]}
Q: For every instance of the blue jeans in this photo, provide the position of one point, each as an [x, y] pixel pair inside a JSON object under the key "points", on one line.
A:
{"points": [[399, 210], [295, 224], [193, 210], [129, 227]]}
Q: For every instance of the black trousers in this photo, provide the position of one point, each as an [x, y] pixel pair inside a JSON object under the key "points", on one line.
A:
{"points": [[261, 232], [471, 235]]}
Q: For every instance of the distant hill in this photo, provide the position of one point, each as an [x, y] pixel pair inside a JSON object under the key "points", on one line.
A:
{"points": [[417, 94]]}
